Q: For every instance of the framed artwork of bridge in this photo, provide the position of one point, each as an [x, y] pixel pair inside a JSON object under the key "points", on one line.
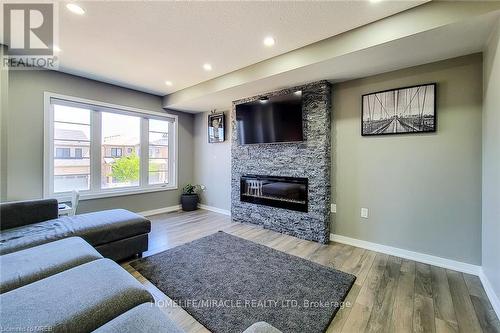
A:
{"points": [[399, 111]]}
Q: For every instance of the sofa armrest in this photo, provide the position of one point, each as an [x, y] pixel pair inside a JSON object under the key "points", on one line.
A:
{"points": [[262, 327], [19, 213]]}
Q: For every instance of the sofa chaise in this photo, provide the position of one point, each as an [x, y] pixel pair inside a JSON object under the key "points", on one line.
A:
{"points": [[116, 234]]}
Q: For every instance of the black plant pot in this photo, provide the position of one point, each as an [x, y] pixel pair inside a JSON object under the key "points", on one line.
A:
{"points": [[189, 202]]}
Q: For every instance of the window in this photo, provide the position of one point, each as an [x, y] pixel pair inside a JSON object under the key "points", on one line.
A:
{"points": [[120, 130], [116, 152], [158, 152], [63, 152], [71, 130], [106, 150]]}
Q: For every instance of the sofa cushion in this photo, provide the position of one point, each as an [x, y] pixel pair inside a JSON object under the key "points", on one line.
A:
{"points": [[26, 266], [96, 228], [80, 299], [145, 318]]}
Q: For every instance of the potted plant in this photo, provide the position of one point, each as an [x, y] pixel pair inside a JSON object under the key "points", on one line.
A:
{"points": [[189, 197]]}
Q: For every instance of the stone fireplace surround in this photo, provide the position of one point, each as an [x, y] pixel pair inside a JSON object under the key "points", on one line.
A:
{"points": [[309, 159]]}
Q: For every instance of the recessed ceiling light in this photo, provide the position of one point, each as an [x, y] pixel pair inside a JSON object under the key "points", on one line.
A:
{"points": [[57, 49], [74, 8], [375, 1], [207, 67], [264, 100], [269, 41], [169, 83]]}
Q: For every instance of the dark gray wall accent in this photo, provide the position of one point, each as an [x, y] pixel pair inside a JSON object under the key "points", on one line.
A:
{"points": [[310, 159], [25, 136]]}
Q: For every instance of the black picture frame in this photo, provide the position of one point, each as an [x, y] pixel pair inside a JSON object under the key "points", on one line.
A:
{"points": [[411, 111], [216, 128]]}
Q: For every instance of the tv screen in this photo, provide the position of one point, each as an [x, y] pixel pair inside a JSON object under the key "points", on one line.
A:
{"points": [[277, 119]]}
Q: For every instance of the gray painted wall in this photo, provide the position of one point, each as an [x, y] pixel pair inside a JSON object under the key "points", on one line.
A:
{"points": [[212, 166], [491, 162], [25, 136], [423, 191]]}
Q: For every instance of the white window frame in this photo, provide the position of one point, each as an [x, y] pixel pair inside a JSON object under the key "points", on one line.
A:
{"points": [[97, 107]]}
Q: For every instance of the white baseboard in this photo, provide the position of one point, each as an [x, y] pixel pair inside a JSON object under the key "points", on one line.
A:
{"points": [[215, 209], [160, 210], [178, 207], [494, 298], [416, 256]]}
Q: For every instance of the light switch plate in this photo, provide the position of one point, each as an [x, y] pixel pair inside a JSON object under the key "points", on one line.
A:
{"points": [[364, 213], [334, 208]]}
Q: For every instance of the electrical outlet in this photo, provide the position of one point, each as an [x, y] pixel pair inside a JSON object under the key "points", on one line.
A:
{"points": [[334, 208], [364, 213]]}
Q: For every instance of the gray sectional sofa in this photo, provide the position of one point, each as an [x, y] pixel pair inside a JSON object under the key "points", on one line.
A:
{"points": [[116, 234], [53, 281], [67, 286]]}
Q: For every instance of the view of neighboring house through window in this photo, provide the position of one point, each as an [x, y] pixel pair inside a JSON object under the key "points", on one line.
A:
{"points": [[158, 151], [72, 148], [120, 133]]}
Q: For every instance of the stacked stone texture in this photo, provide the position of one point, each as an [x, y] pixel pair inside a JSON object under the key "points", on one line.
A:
{"points": [[310, 159]]}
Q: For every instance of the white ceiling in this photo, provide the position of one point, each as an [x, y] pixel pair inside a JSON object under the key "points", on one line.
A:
{"points": [[429, 46], [140, 45]]}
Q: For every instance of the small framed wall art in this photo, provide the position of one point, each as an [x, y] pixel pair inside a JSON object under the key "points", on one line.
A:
{"points": [[216, 128]]}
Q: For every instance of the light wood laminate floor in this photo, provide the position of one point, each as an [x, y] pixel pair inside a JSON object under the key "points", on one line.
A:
{"points": [[390, 294]]}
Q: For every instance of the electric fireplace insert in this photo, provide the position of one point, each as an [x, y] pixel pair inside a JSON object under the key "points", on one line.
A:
{"points": [[275, 191]]}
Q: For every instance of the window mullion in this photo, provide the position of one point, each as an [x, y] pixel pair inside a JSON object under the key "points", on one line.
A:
{"points": [[172, 153], [144, 158], [96, 151], [49, 149]]}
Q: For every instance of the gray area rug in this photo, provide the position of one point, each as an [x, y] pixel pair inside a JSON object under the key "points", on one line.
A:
{"points": [[228, 283]]}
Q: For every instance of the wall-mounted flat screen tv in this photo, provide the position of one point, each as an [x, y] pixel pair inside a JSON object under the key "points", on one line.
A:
{"points": [[270, 120]]}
